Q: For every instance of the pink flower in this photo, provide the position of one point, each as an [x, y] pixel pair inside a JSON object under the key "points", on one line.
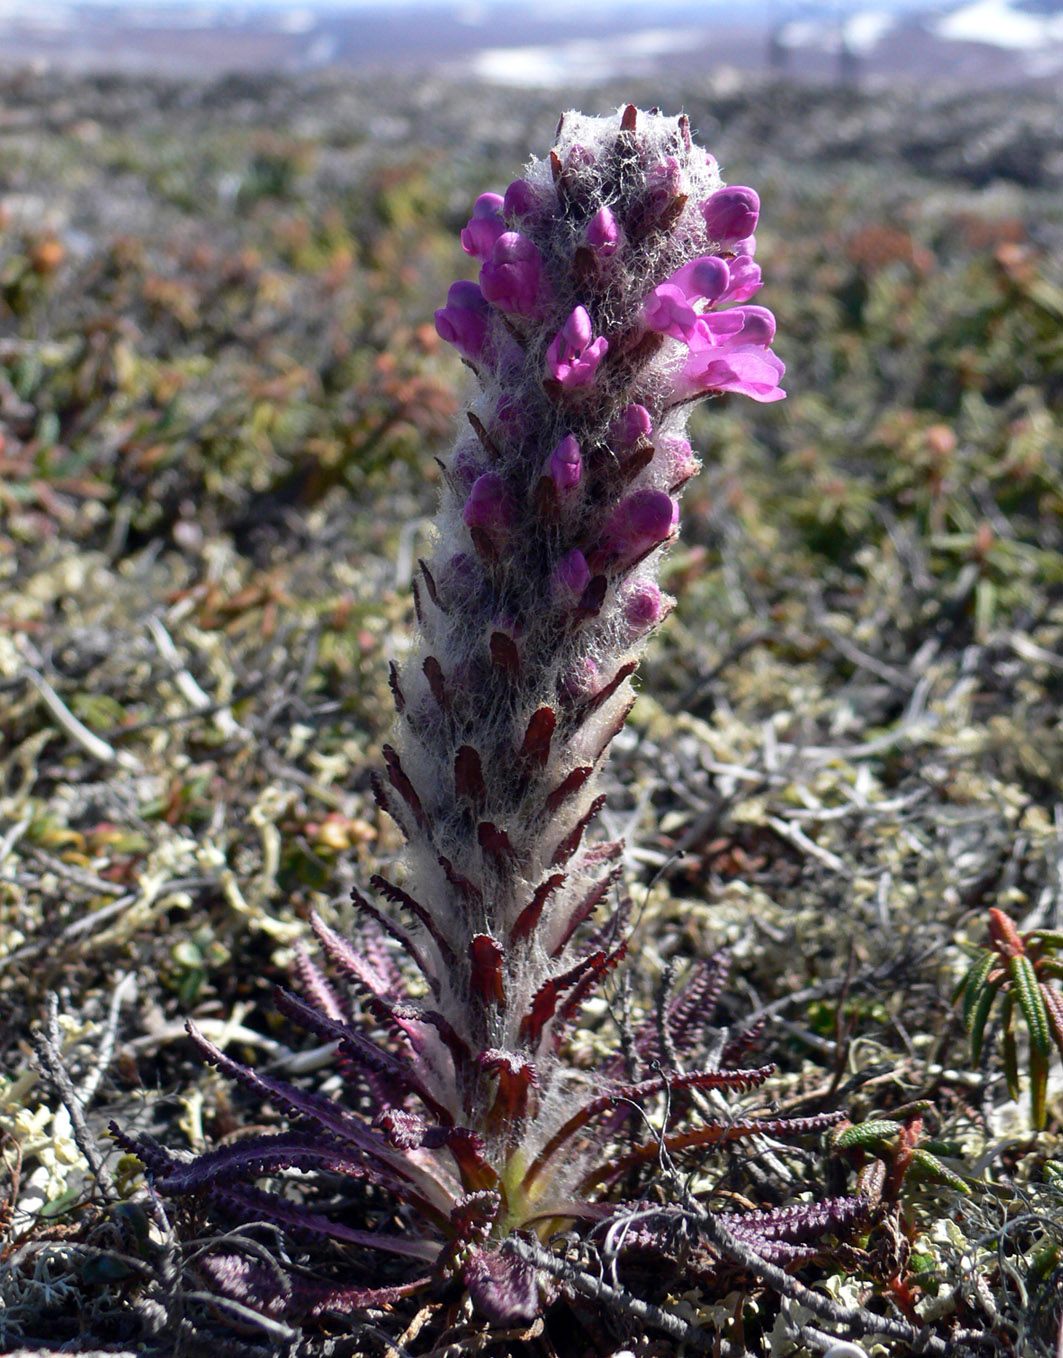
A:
{"points": [[573, 357], [463, 321], [669, 310], [741, 325], [729, 352], [751, 372], [512, 277]]}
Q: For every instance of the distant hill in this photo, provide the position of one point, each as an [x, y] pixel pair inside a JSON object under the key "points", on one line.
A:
{"points": [[985, 42]]}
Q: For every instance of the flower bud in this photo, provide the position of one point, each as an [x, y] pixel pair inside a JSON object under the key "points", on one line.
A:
{"points": [[489, 507], [664, 182], [731, 213], [632, 424], [677, 460], [603, 233], [485, 226], [458, 580], [641, 522], [642, 607], [564, 466], [463, 321], [466, 464], [512, 277], [521, 201], [581, 680], [571, 576]]}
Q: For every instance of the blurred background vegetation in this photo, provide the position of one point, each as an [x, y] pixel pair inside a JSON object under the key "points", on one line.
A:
{"points": [[221, 397]]}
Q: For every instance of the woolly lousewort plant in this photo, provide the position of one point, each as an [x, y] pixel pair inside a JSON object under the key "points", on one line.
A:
{"points": [[612, 291]]}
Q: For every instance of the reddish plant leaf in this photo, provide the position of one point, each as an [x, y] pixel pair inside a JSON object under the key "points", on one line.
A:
{"points": [[568, 787], [571, 841], [504, 654], [536, 746], [494, 841], [486, 954], [469, 775], [529, 916]]}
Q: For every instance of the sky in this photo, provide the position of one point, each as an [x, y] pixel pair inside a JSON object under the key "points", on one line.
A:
{"points": [[28, 7]]}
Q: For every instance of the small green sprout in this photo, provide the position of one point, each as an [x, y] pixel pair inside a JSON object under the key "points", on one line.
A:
{"points": [[889, 1151], [1018, 967]]}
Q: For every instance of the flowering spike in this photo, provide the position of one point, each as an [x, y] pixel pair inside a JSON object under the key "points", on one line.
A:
{"points": [[611, 295]]}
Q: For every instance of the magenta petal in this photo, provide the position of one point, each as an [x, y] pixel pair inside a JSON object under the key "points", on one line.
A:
{"points": [[668, 311], [485, 226], [741, 326], [707, 277], [745, 279], [488, 207], [751, 372], [521, 200]]}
